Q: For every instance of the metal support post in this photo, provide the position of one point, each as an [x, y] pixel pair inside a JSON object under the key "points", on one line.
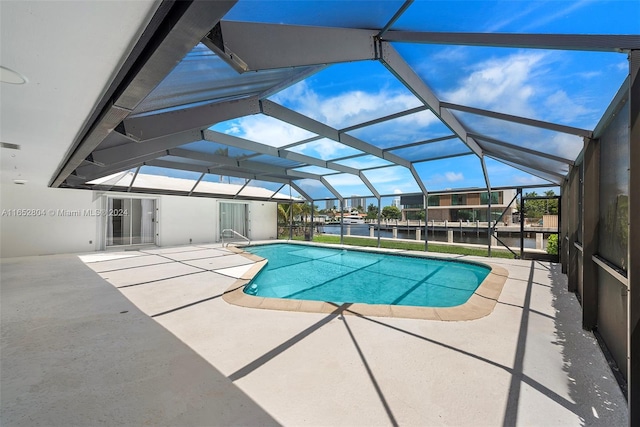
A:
{"points": [[521, 223], [489, 227], [342, 221], [379, 208], [312, 223], [633, 273], [573, 215], [291, 220], [590, 219], [426, 222]]}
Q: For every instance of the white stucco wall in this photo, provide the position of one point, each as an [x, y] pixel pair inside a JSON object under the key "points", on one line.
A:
{"points": [[42, 221], [263, 217], [184, 218]]}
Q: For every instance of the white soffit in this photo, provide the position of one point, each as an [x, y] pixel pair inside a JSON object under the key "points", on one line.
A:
{"points": [[69, 52]]}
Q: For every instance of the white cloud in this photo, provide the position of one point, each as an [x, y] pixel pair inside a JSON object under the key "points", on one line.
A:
{"points": [[526, 179], [325, 148], [499, 25], [233, 130], [438, 179], [453, 176], [267, 130], [589, 74], [344, 179], [391, 179], [564, 109], [346, 108], [559, 14], [567, 146], [501, 84], [622, 65]]}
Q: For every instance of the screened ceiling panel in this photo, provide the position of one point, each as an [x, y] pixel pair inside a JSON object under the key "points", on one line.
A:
{"points": [[185, 161], [316, 170], [203, 76], [325, 149], [169, 172], [503, 175], [114, 139], [374, 103], [349, 185], [432, 150], [367, 161], [267, 185], [589, 17], [450, 174], [543, 140], [354, 14], [121, 179], [276, 161], [255, 191], [404, 130], [221, 188], [314, 188], [352, 99], [287, 192], [550, 178], [163, 178], [392, 180], [519, 82], [527, 159], [263, 129], [223, 179], [217, 149]]}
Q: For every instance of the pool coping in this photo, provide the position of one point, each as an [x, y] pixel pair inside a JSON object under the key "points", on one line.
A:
{"points": [[480, 304]]}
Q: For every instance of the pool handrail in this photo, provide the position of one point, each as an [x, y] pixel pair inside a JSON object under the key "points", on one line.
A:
{"points": [[234, 232]]}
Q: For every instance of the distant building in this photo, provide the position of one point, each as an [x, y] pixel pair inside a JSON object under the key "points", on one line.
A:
{"points": [[471, 206], [358, 201]]}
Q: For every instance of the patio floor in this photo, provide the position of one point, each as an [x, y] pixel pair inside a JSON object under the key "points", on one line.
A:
{"points": [[527, 363]]}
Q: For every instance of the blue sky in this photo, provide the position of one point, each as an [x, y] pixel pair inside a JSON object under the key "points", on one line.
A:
{"points": [[570, 88]]}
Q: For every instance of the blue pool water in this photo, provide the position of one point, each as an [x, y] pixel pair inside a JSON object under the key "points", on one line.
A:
{"points": [[341, 276]]}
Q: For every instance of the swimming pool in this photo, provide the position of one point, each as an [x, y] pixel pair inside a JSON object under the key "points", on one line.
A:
{"points": [[302, 272]]}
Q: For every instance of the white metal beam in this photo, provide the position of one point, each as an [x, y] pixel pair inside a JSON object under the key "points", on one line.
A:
{"points": [[119, 153], [586, 42], [523, 149], [251, 46], [516, 119], [300, 190], [149, 126], [331, 189], [398, 67], [229, 162], [557, 178], [246, 144], [155, 54], [294, 118]]}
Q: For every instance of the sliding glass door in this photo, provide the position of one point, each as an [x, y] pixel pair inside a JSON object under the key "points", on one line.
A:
{"points": [[130, 221], [233, 216]]}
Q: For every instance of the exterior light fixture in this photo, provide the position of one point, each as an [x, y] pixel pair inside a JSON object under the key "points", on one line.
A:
{"points": [[12, 77]]}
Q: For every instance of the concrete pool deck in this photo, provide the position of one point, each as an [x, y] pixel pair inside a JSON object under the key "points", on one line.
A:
{"points": [[75, 351]]}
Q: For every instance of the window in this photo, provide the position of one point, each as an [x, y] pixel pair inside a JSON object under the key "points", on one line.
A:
{"points": [[484, 198], [458, 199], [434, 201]]}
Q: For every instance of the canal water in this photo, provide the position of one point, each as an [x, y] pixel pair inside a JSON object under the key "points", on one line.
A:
{"points": [[466, 236]]}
